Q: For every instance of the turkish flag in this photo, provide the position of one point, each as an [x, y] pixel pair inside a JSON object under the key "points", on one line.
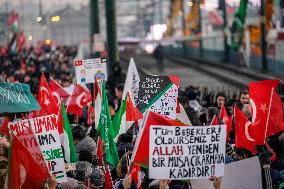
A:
{"points": [[226, 120], [261, 94], [80, 97], [25, 171], [46, 100], [141, 149], [58, 92], [244, 131]]}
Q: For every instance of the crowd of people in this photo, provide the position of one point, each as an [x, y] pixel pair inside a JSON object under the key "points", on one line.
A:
{"points": [[200, 107]]}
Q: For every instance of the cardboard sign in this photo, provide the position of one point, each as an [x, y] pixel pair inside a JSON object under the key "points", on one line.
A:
{"points": [[16, 97], [158, 94], [245, 174], [47, 137], [187, 152], [88, 70]]}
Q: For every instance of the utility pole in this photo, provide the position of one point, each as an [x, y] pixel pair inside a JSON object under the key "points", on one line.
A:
{"points": [[222, 5], [94, 23], [200, 28], [113, 56], [263, 36], [183, 25], [161, 10]]}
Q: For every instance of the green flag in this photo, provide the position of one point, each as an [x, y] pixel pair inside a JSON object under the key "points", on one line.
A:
{"points": [[106, 130], [66, 137], [237, 30], [16, 97]]}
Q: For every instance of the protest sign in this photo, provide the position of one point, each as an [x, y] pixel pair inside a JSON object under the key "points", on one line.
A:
{"points": [[87, 71], [16, 97], [186, 152], [158, 94], [22, 129], [245, 174], [47, 138]]}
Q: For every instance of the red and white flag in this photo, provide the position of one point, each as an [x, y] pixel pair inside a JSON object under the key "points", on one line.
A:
{"points": [[140, 153], [245, 135], [80, 97], [58, 92], [226, 120], [261, 95], [45, 98]]}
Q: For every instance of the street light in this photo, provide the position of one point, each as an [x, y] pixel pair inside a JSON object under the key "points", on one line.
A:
{"points": [[39, 18], [55, 18]]}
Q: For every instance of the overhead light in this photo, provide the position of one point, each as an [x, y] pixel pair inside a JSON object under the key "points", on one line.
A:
{"points": [[190, 3]]}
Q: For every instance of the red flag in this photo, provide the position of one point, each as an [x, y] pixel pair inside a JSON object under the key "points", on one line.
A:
{"points": [[214, 121], [130, 109], [58, 92], [90, 115], [21, 41], [132, 112], [226, 120], [24, 171], [261, 94], [4, 130], [141, 150], [100, 151], [275, 123], [244, 131], [135, 175], [108, 179], [46, 100], [79, 98]]}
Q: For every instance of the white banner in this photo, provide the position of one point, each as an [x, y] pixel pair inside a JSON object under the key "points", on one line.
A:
{"points": [[244, 174], [47, 137], [186, 152], [88, 70]]}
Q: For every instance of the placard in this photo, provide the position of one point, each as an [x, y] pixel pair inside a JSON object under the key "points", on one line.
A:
{"points": [[87, 71], [244, 174], [47, 137], [186, 152], [158, 94], [22, 130]]}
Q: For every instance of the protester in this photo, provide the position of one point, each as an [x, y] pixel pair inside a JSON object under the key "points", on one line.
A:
{"points": [[82, 141], [220, 100], [159, 56]]}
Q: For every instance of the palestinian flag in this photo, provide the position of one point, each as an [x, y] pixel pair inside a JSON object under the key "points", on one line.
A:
{"points": [[13, 21], [66, 137], [125, 117], [140, 153], [106, 131], [159, 94], [131, 82]]}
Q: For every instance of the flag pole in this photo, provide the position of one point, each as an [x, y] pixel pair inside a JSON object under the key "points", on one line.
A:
{"points": [[266, 126]]}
